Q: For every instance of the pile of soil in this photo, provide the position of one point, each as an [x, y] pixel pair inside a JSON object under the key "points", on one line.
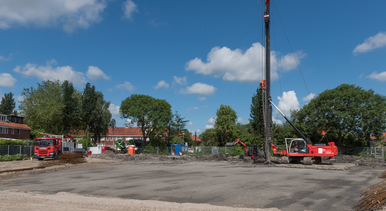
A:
{"points": [[360, 161], [109, 155]]}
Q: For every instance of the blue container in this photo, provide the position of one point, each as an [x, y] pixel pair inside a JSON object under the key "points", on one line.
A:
{"points": [[175, 149]]}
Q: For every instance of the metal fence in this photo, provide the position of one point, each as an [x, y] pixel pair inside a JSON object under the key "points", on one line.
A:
{"points": [[358, 151], [16, 149]]}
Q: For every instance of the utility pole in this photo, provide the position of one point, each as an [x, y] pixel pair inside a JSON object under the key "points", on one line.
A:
{"points": [[268, 106]]}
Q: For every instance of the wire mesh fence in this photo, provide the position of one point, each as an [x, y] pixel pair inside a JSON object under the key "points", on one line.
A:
{"points": [[379, 152]]}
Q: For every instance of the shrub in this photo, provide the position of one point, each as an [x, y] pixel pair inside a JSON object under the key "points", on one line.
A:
{"points": [[11, 142]]}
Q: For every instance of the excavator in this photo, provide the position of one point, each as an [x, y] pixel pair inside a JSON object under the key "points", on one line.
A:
{"points": [[302, 149], [252, 152]]}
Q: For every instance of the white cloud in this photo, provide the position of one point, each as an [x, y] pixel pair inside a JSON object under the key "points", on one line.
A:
{"points": [[7, 80], [236, 65], [198, 131], [202, 98], [68, 14], [288, 102], [209, 126], [3, 59], [309, 97], [94, 73], [211, 120], [130, 123], [242, 121], [277, 121], [379, 77], [190, 124], [20, 98], [199, 88], [194, 108], [126, 86], [371, 43], [128, 9], [114, 110], [162, 84], [50, 73], [181, 80]]}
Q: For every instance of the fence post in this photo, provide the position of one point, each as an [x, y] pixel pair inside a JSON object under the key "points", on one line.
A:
{"points": [[157, 150], [383, 155], [8, 149], [20, 149]]}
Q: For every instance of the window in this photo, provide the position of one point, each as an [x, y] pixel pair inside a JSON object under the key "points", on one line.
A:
{"points": [[103, 139], [118, 138], [12, 131], [4, 130], [18, 131]]}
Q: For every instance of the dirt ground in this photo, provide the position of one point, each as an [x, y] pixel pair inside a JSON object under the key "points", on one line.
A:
{"points": [[148, 182]]}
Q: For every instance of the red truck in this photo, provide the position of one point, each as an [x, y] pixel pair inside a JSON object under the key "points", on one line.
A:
{"points": [[47, 147], [50, 147]]}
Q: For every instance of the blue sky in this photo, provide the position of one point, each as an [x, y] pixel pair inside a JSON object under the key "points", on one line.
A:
{"points": [[197, 54]]}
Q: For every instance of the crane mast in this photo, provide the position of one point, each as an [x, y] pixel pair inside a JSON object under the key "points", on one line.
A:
{"points": [[268, 106]]}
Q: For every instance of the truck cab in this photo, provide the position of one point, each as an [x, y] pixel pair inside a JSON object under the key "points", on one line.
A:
{"points": [[47, 147]]}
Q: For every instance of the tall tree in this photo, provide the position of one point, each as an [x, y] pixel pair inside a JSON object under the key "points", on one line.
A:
{"points": [[257, 120], [151, 115], [225, 124], [209, 137], [42, 107], [70, 107], [89, 100], [344, 114], [102, 118], [177, 125], [7, 104]]}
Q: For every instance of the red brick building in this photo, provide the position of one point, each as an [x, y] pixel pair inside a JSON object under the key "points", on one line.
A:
{"points": [[123, 133], [12, 127]]}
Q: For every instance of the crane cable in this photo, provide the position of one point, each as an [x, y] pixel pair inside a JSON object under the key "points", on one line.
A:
{"points": [[297, 62]]}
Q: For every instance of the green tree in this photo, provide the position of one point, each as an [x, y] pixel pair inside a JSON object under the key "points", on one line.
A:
{"points": [[42, 107], [89, 100], [209, 137], [346, 113], [257, 120], [102, 118], [225, 124], [70, 107], [151, 115], [176, 125], [177, 140], [7, 104]]}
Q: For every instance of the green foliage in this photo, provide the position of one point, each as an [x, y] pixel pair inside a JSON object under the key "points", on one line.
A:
{"points": [[257, 120], [85, 143], [236, 151], [11, 142], [209, 137], [225, 124], [70, 107], [177, 140], [176, 125], [152, 115], [12, 157], [347, 114], [156, 141], [42, 107], [35, 133], [102, 118], [7, 104], [283, 131]]}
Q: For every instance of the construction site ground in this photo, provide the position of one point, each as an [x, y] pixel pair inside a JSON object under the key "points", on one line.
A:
{"points": [[190, 182]]}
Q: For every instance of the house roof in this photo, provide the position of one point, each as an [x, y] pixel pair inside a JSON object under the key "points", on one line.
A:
{"points": [[124, 131], [14, 125], [197, 138], [383, 135]]}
